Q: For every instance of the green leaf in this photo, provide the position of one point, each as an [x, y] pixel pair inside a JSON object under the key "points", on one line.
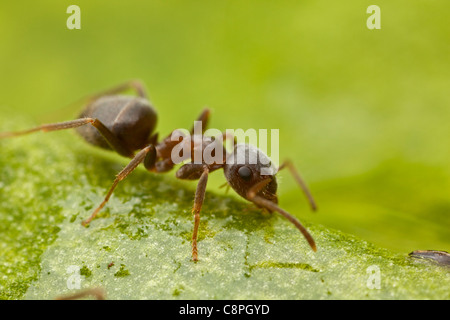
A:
{"points": [[139, 247]]}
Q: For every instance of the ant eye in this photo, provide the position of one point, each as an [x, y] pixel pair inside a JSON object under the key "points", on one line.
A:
{"points": [[245, 173]]}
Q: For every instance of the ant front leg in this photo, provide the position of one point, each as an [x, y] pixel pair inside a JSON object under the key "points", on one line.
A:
{"points": [[193, 171], [147, 155], [252, 195]]}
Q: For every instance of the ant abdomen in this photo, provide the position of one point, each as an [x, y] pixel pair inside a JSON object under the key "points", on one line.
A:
{"points": [[131, 119]]}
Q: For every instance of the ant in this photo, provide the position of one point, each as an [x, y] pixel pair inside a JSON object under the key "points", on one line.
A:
{"points": [[125, 124]]}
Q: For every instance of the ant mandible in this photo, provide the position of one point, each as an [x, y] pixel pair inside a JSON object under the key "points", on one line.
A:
{"points": [[125, 124]]}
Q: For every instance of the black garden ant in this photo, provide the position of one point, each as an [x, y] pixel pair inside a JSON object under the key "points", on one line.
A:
{"points": [[125, 124]]}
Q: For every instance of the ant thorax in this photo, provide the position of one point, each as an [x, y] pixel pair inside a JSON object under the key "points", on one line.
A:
{"points": [[197, 149]]}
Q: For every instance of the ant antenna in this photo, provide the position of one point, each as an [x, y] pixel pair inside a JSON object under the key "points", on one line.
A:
{"points": [[300, 182]]}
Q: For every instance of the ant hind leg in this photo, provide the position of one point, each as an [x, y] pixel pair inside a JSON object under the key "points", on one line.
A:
{"points": [[136, 85], [112, 140]]}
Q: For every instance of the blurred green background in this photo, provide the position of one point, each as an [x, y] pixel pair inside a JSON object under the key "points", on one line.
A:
{"points": [[364, 114]]}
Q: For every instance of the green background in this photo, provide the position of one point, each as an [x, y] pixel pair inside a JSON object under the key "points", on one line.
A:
{"points": [[364, 114]]}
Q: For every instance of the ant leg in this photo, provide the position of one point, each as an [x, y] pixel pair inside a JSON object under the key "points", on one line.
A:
{"points": [[198, 202], [112, 140], [140, 156], [136, 85], [252, 195], [133, 84], [203, 119], [97, 293], [300, 181], [193, 171]]}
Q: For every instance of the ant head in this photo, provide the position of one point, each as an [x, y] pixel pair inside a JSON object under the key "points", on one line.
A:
{"points": [[248, 166], [252, 175]]}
